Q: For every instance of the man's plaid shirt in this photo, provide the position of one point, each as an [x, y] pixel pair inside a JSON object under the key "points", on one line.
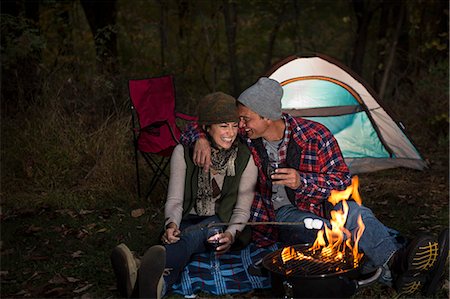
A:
{"points": [[322, 169]]}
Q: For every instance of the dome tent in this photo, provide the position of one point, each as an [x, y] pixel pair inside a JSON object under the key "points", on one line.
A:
{"points": [[321, 89]]}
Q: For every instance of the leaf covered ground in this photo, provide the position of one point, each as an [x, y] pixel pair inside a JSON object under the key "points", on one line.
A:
{"points": [[64, 252]]}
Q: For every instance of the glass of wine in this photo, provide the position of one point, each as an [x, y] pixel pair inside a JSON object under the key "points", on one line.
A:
{"points": [[272, 167], [214, 236]]}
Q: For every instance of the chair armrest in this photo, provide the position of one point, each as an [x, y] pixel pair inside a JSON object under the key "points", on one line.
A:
{"points": [[185, 116]]}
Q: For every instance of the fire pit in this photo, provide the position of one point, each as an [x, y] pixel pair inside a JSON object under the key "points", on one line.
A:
{"points": [[300, 260], [330, 267], [309, 275]]}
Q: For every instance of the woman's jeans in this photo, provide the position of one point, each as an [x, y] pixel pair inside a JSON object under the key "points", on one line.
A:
{"points": [[194, 233], [378, 242]]}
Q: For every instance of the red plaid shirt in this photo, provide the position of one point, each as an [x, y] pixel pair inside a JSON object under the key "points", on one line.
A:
{"points": [[321, 169]]}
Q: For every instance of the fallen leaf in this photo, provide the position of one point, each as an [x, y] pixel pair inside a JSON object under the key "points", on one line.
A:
{"points": [[85, 212], [72, 279], [33, 229], [91, 225], [82, 233], [137, 213], [37, 258], [83, 288], [55, 292], [22, 293], [77, 254], [57, 279], [102, 230], [86, 296]]}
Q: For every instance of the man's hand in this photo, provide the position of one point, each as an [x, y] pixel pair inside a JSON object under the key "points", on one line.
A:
{"points": [[202, 153], [286, 176], [171, 235]]}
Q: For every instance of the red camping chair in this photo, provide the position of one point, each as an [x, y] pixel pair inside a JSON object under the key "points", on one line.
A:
{"points": [[155, 132]]}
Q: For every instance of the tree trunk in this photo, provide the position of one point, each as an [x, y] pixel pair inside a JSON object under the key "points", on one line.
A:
{"points": [[297, 39], [163, 28], [184, 35], [230, 14], [392, 50], [363, 16], [273, 35], [101, 16]]}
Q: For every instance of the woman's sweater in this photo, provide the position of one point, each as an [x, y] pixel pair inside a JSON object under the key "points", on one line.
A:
{"points": [[174, 204]]}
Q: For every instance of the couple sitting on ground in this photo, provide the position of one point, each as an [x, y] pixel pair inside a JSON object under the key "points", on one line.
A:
{"points": [[226, 180]]}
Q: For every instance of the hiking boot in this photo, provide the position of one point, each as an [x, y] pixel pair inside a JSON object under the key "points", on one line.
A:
{"points": [[410, 265], [151, 280], [434, 277], [125, 269]]}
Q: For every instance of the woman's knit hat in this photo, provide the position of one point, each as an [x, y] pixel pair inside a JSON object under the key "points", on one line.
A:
{"points": [[264, 98], [216, 108]]}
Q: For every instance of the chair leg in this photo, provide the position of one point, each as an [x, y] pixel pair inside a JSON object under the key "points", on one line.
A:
{"points": [[159, 172], [138, 180]]}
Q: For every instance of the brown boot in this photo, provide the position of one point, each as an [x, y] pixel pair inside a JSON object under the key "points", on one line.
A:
{"points": [[151, 281], [125, 269]]}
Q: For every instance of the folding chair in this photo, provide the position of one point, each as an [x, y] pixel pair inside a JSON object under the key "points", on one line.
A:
{"points": [[155, 132]]}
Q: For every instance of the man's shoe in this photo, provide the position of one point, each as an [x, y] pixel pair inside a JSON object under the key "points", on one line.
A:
{"points": [[125, 269], [151, 280], [411, 264], [433, 278]]}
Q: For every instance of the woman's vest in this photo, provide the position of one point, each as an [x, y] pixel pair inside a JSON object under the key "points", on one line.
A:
{"points": [[228, 194]]}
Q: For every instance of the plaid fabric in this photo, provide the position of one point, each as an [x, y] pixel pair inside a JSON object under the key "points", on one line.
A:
{"points": [[191, 133], [224, 274], [322, 169], [282, 151]]}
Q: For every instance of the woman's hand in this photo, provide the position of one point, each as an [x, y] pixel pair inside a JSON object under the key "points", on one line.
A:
{"points": [[225, 240], [171, 235]]}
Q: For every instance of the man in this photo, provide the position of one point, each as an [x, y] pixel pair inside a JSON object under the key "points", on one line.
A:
{"points": [[313, 166]]}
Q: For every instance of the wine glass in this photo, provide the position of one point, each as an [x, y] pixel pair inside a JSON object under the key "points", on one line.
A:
{"points": [[214, 237], [272, 167]]}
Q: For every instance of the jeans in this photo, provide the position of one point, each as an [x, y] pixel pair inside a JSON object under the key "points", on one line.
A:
{"points": [[378, 242], [194, 233]]}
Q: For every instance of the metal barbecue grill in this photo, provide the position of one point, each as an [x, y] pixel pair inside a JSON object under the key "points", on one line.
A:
{"points": [[309, 274], [308, 263]]}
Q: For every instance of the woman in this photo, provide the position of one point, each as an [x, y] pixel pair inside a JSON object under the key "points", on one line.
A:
{"points": [[195, 199]]}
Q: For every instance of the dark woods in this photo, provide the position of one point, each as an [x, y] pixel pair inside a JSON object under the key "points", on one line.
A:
{"points": [[217, 44], [67, 157], [69, 61]]}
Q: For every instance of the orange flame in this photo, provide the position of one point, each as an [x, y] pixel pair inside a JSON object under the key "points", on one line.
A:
{"points": [[335, 236]]}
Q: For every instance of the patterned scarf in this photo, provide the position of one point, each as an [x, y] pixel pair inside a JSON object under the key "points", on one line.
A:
{"points": [[222, 163]]}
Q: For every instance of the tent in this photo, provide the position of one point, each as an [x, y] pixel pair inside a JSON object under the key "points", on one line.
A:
{"points": [[320, 88]]}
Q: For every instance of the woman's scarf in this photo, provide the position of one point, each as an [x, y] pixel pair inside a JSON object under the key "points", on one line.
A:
{"points": [[222, 162]]}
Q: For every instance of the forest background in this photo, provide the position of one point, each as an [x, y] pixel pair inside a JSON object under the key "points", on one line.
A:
{"points": [[68, 185]]}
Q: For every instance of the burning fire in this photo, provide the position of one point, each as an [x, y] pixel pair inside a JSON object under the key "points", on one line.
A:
{"points": [[339, 239]]}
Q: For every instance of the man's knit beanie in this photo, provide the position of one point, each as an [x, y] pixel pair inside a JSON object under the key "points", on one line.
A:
{"points": [[216, 108], [264, 98]]}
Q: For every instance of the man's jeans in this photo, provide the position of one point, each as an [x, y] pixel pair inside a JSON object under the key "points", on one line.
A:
{"points": [[378, 242], [194, 233]]}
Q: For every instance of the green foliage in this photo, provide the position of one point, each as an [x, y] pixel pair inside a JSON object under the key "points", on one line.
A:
{"points": [[58, 153], [20, 40]]}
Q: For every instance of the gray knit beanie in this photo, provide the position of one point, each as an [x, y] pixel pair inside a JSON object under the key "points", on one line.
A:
{"points": [[264, 97]]}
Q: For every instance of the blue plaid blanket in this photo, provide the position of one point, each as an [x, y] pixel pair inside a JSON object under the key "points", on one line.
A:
{"points": [[223, 274]]}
